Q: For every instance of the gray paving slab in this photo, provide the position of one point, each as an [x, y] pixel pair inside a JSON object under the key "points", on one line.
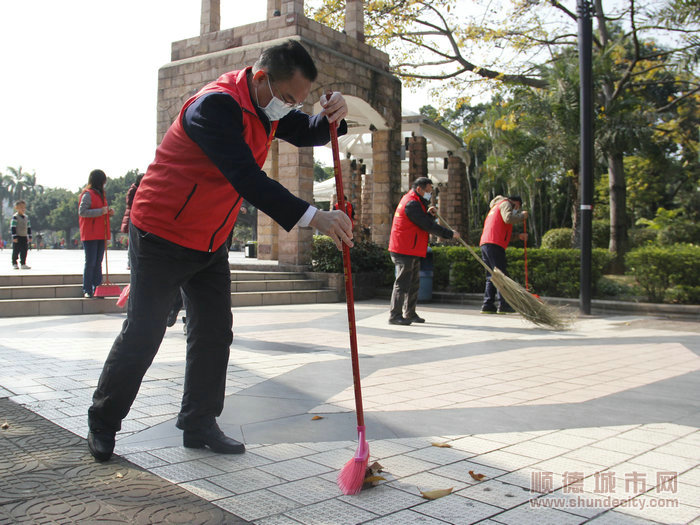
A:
{"points": [[48, 476], [514, 402]]}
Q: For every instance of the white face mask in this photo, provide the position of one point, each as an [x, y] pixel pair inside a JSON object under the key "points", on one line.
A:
{"points": [[427, 195], [276, 109]]}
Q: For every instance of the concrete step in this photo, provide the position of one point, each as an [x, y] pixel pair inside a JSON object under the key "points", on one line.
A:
{"points": [[30, 295], [46, 291], [38, 280], [74, 306]]}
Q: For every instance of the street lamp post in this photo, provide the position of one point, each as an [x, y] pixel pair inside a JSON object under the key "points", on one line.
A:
{"points": [[585, 50]]}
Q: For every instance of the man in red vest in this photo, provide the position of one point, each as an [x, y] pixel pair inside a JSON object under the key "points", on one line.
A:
{"points": [[498, 229], [186, 205], [414, 221], [349, 209]]}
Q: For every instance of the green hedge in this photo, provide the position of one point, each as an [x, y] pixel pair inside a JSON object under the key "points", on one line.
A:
{"points": [[365, 256], [562, 237], [557, 238], [457, 271], [550, 272], [667, 273]]}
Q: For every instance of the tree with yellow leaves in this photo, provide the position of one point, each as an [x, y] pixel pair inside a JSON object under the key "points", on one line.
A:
{"points": [[454, 46]]}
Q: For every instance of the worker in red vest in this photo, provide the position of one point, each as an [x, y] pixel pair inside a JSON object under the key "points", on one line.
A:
{"points": [[414, 221], [186, 205], [349, 209], [93, 217], [498, 229]]}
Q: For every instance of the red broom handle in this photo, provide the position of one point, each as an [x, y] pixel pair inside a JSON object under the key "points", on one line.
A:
{"points": [[527, 285], [349, 297]]}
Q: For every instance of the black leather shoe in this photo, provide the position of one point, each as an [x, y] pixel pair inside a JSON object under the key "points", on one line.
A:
{"points": [[101, 444], [416, 319], [213, 438], [399, 320]]}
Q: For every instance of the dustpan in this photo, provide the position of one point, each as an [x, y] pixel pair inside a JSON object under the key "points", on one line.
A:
{"points": [[107, 288]]}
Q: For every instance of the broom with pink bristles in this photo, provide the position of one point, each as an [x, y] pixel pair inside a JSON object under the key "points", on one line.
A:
{"points": [[352, 475]]}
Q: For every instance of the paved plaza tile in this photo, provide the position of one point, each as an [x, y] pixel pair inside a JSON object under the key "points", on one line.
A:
{"points": [[597, 424]]}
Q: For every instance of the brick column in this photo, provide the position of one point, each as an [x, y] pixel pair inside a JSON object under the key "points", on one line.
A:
{"points": [[454, 206], [296, 173], [355, 19], [211, 17], [353, 189], [346, 170], [273, 6], [267, 228], [386, 190], [290, 7], [365, 212], [284, 7], [417, 158]]}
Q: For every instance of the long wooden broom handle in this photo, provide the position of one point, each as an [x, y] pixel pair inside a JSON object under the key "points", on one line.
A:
{"points": [[471, 250], [349, 297]]}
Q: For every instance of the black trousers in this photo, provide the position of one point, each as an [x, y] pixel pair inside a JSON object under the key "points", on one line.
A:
{"points": [[404, 296], [495, 257], [19, 250], [159, 269]]}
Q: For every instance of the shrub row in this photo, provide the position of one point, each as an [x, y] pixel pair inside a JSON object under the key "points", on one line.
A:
{"points": [[365, 256], [550, 272], [667, 273], [600, 236]]}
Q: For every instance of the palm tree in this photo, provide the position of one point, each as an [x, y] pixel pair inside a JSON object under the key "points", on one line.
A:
{"points": [[31, 186], [17, 182], [5, 194]]}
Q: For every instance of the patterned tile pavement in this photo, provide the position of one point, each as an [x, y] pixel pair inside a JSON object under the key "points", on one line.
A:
{"points": [[598, 424]]}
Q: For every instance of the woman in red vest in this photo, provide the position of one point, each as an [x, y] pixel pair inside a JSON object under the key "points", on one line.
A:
{"points": [[498, 229], [93, 215]]}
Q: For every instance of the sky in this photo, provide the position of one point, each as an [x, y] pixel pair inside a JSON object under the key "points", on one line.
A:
{"points": [[79, 79]]}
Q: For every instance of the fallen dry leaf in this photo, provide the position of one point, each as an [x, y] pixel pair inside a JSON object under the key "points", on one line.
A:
{"points": [[477, 477], [5, 425], [442, 445], [374, 479], [436, 494], [316, 418]]}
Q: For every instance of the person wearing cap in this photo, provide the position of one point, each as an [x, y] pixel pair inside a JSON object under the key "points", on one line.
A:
{"points": [[414, 222], [498, 229], [186, 205]]}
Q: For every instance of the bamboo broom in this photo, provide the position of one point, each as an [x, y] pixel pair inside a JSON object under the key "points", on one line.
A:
{"points": [[530, 307]]}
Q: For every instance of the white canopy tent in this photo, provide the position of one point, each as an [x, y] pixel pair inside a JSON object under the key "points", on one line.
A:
{"points": [[357, 144]]}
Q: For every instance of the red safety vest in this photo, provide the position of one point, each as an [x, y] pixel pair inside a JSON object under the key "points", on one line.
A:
{"points": [[183, 197], [94, 228], [349, 211], [496, 231], [407, 238]]}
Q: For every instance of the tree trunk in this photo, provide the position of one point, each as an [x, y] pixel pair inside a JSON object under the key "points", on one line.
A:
{"points": [[618, 211]]}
